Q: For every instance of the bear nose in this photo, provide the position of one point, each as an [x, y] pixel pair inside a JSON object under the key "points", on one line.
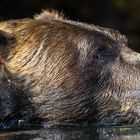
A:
{"points": [[130, 56]]}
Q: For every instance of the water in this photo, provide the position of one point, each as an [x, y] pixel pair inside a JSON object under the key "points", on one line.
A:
{"points": [[73, 133]]}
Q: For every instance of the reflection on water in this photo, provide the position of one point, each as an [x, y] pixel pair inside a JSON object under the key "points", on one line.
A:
{"points": [[74, 133]]}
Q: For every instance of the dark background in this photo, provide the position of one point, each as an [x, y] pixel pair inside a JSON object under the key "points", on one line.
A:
{"points": [[123, 15]]}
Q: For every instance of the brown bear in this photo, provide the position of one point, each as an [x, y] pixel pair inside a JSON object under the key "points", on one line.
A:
{"points": [[59, 71]]}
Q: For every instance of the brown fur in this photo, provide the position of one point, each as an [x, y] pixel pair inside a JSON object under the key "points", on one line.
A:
{"points": [[69, 72]]}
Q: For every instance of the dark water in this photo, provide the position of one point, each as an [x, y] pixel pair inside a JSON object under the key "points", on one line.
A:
{"points": [[73, 133]]}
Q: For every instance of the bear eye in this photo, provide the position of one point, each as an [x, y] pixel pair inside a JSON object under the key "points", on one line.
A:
{"points": [[101, 48], [104, 48], [104, 51]]}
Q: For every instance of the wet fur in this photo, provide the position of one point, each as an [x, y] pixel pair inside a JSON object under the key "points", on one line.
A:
{"points": [[63, 71]]}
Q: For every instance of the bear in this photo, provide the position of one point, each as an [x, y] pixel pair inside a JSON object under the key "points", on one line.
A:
{"points": [[60, 71]]}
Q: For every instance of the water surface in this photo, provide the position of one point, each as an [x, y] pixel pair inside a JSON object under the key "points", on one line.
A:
{"points": [[73, 133]]}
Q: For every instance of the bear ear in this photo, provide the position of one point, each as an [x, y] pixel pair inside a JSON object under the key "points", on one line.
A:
{"points": [[49, 15]]}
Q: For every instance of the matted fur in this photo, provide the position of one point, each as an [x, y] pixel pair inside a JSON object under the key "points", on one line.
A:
{"points": [[61, 71]]}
